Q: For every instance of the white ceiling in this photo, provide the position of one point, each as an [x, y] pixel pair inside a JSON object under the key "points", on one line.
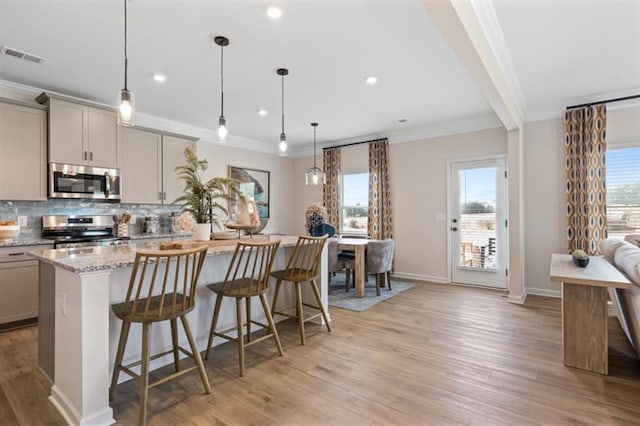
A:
{"points": [[329, 46]]}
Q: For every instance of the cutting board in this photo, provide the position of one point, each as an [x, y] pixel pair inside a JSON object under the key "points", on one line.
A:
{"points": [[168, 245]]}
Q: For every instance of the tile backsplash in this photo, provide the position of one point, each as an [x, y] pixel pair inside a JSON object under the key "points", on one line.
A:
{"points": [[34, 210]]}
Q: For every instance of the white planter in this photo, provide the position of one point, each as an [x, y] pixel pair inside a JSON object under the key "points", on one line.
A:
{"points": [[202, 232]]}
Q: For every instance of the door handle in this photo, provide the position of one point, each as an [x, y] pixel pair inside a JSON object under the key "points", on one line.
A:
{"points": [[91, 156], [453, 228]]}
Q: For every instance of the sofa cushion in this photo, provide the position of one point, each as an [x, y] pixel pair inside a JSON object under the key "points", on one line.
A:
{"points": [[633, 239], [608, 248], [627, 259]]}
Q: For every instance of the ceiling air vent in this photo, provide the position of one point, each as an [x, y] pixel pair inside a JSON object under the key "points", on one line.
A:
{"points": [[9, 51]]}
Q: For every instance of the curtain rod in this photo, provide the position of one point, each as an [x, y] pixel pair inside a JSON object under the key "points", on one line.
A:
{"points": [[606, 101], [355, 143]]}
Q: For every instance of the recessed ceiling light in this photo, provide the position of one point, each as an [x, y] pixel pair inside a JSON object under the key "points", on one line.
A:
{"points": [[371, 80], [262, 112], [274, 12], [160, 78]]}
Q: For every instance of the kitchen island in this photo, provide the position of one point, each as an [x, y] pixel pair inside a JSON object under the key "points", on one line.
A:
{"points": [[87, 282]]}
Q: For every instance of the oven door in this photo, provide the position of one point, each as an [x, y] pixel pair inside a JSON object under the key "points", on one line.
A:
{"points": [[72, 181]]}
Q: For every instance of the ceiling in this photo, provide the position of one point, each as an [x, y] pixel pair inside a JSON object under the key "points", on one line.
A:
{"points": [[329, 47]]}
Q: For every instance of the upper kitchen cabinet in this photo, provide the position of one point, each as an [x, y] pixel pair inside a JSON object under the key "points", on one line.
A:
{"points": [[81, 133], [149, 160], [23, 144]]}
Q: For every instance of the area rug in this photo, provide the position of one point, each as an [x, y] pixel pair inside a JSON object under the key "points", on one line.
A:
{"points": [[340, 299]]}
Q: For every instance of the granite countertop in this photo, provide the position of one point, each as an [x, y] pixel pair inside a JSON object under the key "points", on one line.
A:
{"points": [[104, 258], [160, 235], [26, 240]]}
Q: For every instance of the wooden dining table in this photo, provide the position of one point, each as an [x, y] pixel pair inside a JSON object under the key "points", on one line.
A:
{"points": [[358, 245]]}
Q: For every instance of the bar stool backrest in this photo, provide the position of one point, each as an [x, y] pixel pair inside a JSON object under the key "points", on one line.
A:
{"points": [[250, 268], [306, 255], [163, 284]]}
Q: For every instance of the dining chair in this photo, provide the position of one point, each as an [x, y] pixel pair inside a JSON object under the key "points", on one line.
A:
{"points": [[162, 287], [335, 262], [303, 266], [247, 277], [379, 261]]}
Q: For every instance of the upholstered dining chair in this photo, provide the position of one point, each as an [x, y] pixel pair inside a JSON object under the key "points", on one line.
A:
{"points": [[303, 265], [161, 288], [336, 263], [379, 261], [247, 277]]}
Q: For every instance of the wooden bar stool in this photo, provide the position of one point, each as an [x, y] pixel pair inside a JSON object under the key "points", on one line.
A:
{"points": [[303, 266], [247, 276], [161, 288]]}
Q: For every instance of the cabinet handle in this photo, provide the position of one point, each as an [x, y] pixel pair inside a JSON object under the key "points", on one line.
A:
{"points": [[159, 195], [85, 155], [91, 156], [164, 195], [16, 254]]}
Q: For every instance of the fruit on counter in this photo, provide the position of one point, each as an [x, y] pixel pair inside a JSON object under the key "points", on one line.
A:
{"points": [[10, 223]]}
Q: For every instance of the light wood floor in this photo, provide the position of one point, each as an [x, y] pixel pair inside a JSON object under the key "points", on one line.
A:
{"points": [[435, 354]]}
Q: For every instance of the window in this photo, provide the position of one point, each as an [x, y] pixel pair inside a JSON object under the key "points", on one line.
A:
{"points": [[623, 191], [355, 203]]}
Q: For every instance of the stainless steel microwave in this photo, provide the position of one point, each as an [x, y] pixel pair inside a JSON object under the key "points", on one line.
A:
{"points": [[73, 181]]}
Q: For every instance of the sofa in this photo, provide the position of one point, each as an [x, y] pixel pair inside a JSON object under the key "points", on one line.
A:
{"points": [[625, 256]]}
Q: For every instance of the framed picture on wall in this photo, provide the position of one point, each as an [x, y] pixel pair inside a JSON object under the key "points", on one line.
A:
{"points": [[255, 185]]}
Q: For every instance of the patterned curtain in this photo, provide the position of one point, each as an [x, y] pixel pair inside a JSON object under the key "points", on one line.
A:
{"points": [[379, 224], [585, 148], [331, 190]]}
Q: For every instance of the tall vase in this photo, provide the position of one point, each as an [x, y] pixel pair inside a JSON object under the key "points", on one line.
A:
{"points": [[202, 232]]}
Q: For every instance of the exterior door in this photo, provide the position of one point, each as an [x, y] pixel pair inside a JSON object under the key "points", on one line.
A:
{"points": [[478, 222]]}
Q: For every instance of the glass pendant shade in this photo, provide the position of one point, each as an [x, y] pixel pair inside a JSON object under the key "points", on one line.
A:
{"points": [[126, 109], [222, 130], [315, 176], [282, 146]]}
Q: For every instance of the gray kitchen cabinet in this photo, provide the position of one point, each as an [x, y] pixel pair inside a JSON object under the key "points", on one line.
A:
{"points": [[81, 134], [23, 144], [18, 284], [149, 160]]}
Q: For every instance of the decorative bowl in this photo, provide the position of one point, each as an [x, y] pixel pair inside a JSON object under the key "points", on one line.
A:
{"points": [[9, 232], [581, 262]]}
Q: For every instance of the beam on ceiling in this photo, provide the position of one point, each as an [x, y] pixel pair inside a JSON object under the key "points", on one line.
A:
{"points": [[461, 26]]}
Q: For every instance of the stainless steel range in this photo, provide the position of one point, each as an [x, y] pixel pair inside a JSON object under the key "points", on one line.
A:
{"points": [[80, 231]]}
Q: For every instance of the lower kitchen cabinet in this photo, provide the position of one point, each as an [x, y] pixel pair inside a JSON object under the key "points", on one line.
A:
{"points": [[18, 285]]}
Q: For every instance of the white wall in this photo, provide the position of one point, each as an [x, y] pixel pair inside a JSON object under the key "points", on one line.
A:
{"points": [[220, 157]]}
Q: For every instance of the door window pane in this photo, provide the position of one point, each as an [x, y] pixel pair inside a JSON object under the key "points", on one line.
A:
{"points": [[477, 225], [355, 203]]}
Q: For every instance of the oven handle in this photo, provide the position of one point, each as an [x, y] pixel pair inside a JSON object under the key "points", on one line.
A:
{"points": [[107, 184]]}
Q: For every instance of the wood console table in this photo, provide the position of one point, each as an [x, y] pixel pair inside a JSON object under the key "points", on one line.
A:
{"points": [[584, 310]]}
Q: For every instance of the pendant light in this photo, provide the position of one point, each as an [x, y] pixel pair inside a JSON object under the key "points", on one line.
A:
{"points": [[282, 146], [314, 175], [222, 121], [126, 106]]}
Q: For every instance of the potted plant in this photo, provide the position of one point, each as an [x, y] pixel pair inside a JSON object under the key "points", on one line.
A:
{"points": [[203, 199], [580, 258]]}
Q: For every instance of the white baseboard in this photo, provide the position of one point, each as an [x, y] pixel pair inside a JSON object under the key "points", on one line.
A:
{"points": [[519, 300], [545, 292], [420, 277]]}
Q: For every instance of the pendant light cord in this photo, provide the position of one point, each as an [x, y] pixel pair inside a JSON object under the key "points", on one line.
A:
{"points": [[222, 81], [125, 46], [314, 147], [282, 104]]}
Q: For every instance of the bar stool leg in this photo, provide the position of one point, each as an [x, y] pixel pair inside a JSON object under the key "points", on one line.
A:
{"points": [[274, 302], [124, 335], [272, 326], [248, 309], [196, 354], [144, 372], [174, 340], [214, 323], [299, 312], [240, 336], [314, 286]]}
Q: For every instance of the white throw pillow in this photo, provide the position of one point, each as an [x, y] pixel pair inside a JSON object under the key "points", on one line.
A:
{"points": [[608, 248], [627, 259]]}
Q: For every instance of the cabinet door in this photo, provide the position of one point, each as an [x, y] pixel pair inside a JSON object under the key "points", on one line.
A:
{"points": [[23, 164], [19, 289], [141, 178], [172, 157], [66, 132], [102, 137]]}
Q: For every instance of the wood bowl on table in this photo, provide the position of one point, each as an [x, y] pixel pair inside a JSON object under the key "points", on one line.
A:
{"points": [[224, 235], [9, 233]]}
